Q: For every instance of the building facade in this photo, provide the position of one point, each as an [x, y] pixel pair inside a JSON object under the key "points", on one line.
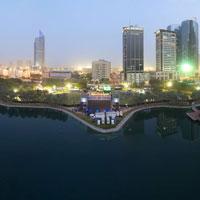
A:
{"points": [[165, 51], [57, 74], [165, 76], [133, 50], [39, 51], [177, 29], [138, 78], [101, 69], [190, 44]]}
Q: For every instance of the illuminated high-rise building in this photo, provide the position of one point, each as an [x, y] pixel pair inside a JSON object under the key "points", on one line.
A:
{"points": [[190, 46], [177, 29], [133, 50], [39, 51], [165, 51]]}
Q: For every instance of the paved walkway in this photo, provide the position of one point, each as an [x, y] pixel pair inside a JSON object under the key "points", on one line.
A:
{"points": [[101, 130]]}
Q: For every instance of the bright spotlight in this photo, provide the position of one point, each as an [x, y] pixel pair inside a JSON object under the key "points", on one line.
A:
{"points": [[69, 86], [198, 88], [169, 84], [15, 90], [186, 68], [126, 85]]}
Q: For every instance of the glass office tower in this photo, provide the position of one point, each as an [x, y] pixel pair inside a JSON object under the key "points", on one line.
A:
{"points": [[39, 51], [190, 45], [133, 50]]}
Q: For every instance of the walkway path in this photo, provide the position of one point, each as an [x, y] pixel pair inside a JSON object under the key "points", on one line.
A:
{"points": [[101, 130]]}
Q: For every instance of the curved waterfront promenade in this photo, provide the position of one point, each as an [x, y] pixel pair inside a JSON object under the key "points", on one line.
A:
{"points": [[100, 130]]}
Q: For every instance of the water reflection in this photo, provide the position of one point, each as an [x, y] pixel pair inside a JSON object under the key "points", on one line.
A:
{"points": [[33, 113], [103, 136], [134, 126], [157, 122], [190, 130], [164, 123], [166, 126]]}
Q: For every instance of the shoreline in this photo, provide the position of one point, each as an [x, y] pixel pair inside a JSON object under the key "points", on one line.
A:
{"points": [[93, 127]]}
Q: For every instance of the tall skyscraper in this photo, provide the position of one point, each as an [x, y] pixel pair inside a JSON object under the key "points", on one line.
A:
{"points": [[190, 46], [133, 50], [165, 51], [39, 51], [101, 69], [177, 29]]}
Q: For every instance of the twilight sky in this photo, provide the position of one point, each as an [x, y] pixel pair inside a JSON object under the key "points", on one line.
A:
{"points": [[79, 31]]}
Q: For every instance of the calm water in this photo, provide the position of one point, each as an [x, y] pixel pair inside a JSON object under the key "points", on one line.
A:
{"points": [[48, 155]]}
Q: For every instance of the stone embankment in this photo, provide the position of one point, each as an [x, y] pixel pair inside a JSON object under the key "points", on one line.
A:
{"points": [[93, 127]]}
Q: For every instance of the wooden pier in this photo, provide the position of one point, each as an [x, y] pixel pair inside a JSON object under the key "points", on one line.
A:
{"points": [[195, 115]]}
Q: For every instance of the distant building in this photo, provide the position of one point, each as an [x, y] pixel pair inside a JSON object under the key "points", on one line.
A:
{"points": [[39, 51], [26, 74], [4, 72], [36, 75], [23, 63], [28, 63], [138, 78], [60, 74], [15, 72], [101, 70], [164, 76], [82, 70], [115, 78], [45, 73], [133, 50], [86, 70], [165, 51], [20, 63]]}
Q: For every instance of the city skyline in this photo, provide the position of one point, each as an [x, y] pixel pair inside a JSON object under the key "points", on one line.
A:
{"points": [[82, 35]]}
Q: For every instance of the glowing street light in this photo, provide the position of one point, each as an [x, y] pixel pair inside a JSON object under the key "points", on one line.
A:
{"points": [[198, 88], [54, 87], [169, 84], [69, 86], [15, 90], [126, 85]]}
